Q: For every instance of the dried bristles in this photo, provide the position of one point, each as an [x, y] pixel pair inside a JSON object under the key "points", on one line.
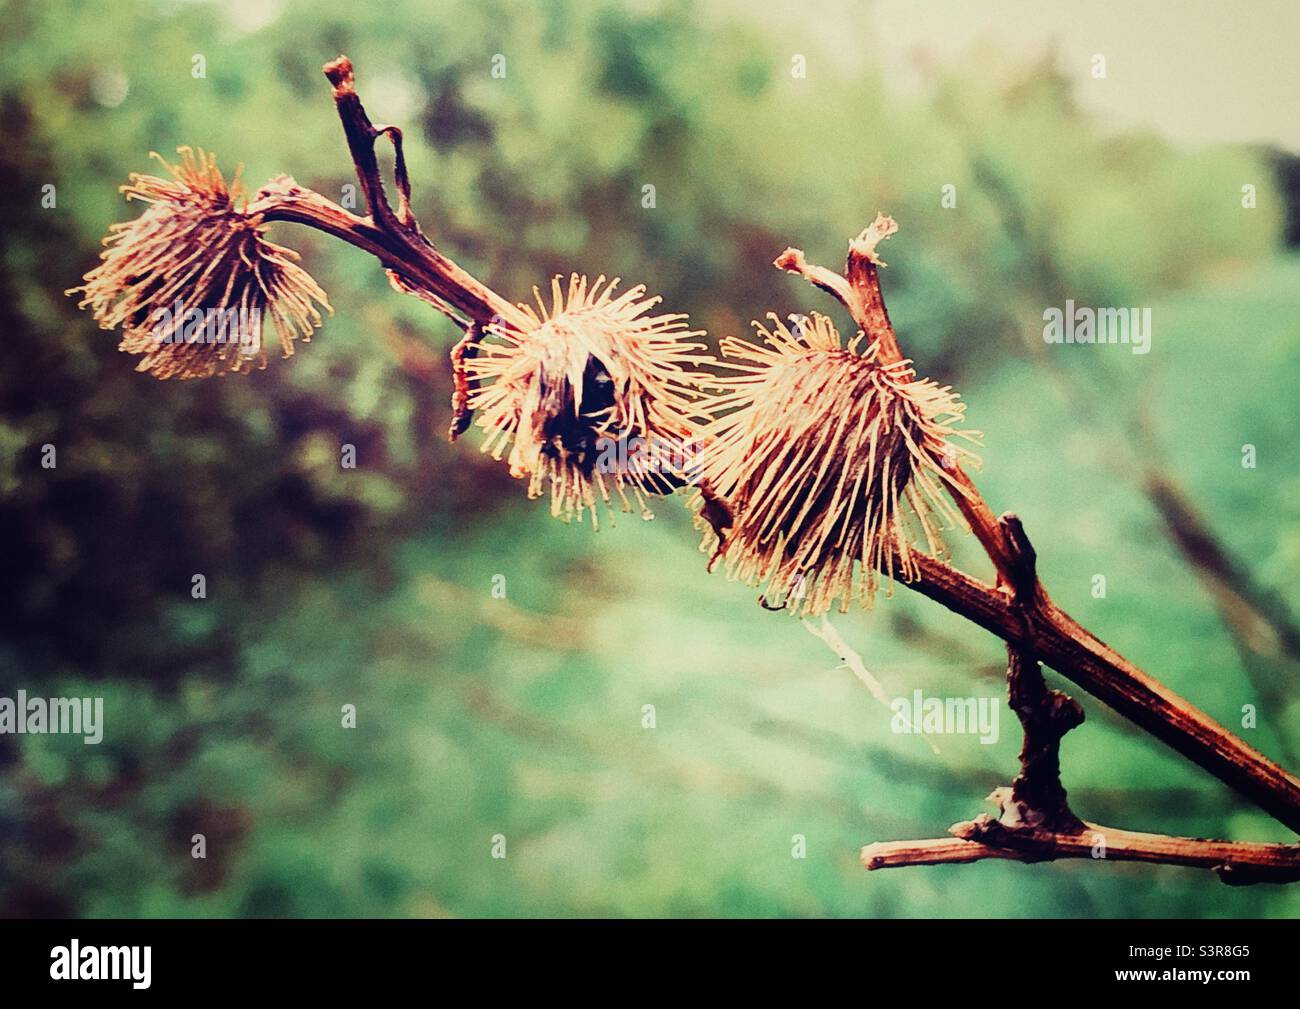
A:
{"points": [[595, 398], [832, 464], [190, 280]]}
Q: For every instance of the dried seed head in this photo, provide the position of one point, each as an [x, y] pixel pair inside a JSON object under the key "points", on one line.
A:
{"points": [[818, 449], [594, 397], [190, 279]]}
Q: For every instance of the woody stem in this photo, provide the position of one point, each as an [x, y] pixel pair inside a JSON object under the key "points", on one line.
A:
{"points": [[1060, 642], [1019, 610]]}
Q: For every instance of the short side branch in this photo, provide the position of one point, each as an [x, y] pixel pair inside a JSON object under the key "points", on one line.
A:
{"points": [[1060, 642], [1037, 795], [420, 261], [461, 415], [1235, 862], [858, 289]]}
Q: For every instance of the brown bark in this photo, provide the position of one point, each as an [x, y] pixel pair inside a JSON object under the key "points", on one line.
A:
{"points": [[1017, 608]]}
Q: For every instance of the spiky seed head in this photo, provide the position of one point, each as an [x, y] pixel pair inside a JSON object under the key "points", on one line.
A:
{"points": [[594, 397], [191, 279], [833, 465]]}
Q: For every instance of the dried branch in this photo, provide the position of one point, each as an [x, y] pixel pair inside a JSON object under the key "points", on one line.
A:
{"points": [[1037, 795], [1036, 823], [1019, 611], [394, 237], [859, 288], [1059, 641], [1236, 862], [859, 291], [1077, 654], [1037, 799], [417, 260], [422, 267]]}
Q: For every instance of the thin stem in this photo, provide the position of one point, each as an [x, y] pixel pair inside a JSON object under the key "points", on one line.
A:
{"points": [[1236, 862], [1019, 610], [1077, 654], [397, 236], [858, 289]]}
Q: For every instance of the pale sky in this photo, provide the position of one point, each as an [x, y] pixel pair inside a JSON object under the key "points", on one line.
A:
{"points": [[1196, 70]]}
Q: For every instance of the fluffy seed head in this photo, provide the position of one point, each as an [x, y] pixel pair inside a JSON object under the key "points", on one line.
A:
{"points": [[594, 397], [196, 249], [833, 465]]}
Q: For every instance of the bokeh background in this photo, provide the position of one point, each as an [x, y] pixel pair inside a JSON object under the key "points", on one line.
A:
{"points": [[522, 716]]}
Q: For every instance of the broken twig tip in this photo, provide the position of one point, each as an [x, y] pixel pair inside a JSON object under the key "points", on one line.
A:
{"points": [[792, 261], [865, 245], [339, 73]]}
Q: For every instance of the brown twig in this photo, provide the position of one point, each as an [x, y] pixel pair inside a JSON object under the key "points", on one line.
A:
{"points": [[859, 291], [859, 288], [1019, 611], [394, 237], [1037, 798], [421, 266], [1077, 654], [1016, 608], [433, 270], [1235, 862], [1035, 822], [1037, 795]]}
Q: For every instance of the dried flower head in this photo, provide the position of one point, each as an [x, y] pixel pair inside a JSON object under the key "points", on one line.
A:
{"points": [[191, 278], [595, 397], [818, 449]]}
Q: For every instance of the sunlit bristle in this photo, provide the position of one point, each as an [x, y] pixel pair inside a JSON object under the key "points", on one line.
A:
{"points": [[191, 279], [594, 398], [833, 465]]}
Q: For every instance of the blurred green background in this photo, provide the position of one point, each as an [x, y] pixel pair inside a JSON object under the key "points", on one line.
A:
{"points": [[523, 716]]}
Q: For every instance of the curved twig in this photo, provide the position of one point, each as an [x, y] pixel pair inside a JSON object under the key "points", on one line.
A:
{"points": [[1235, 862], [1017, 608]]}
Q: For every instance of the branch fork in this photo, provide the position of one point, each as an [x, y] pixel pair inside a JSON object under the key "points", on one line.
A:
{"points": [[394, 237], [1034, 822]]}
